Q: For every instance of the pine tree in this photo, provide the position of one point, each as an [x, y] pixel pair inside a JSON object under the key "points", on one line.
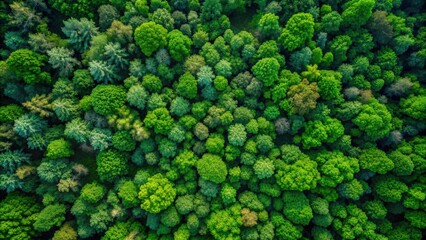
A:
{"points": [[40, 104]]}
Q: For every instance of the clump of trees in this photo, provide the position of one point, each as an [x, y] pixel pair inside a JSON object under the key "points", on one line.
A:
{"points": [[212, 119]]}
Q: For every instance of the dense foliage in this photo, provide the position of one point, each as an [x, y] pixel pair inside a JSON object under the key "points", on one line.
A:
{"points": [[212, 119]]}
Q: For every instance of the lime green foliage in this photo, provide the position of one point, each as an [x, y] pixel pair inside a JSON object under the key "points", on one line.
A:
{"points": [[66, 232], [212, 168], [179, 45], [50, 216], [375, 160], [269, 25], [122, 230], [317, 132], [374, 119], [352, 222], [225, 224], [111, 164], [128, 192], [298, 30], [415, 106], [106, 99], [336, 168], [59, 148], [301, 175], [156, 194], [266, 70], [357, 12], [160, 120], [152, 83], [27, 65], [150, 37], [18, 214], [92, 192], [284, 228]]}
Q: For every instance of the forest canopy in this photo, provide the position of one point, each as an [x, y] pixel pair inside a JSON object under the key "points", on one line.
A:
{"points": [[213, 119]]}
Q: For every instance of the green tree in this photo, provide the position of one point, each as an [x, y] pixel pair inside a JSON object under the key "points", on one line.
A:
{"points": [[152, 83], [123, 230], [116, 56], [375, 160], [284, 228], [414, 106], [50, 216], [237, 135], [82, 81], [9, 113], [157, 194], [150, 37], [210, 10], [339, 47], [61, 59], [225, 224], [266, 70], [374, 119], [123, 141], [389, 188], [215, 144], [298, 30], [223, 68], [269, 25], [66, 232], [77, 129], [302, 98], [187, 86], [179, 106], [357, 12], [212, 168], [111, 164], [336, 168], [185, 204], [160, 120], [28, 124], [137, 96], [106, 99], [128, 192], [27, 65], [317, 132], [381, 27], [92, 192], [107, 13], [59, 148], [21, 212], [301, 175], [11, 160], [179, 45], [66, 109], [330, 22], [102, 72], [264, 168], [79, 32], [297, 208], [78, 8]]}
